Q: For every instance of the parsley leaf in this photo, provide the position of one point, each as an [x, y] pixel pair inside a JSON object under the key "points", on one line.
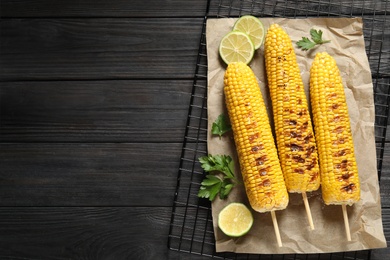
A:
{"points": [[220, 179], [220, 126], [316, 36], [225, 189], [211, 180], [305, 43]]}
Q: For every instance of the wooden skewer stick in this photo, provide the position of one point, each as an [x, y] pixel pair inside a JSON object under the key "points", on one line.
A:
{"points": [[346, 222], [308, 212], [276, 228]]}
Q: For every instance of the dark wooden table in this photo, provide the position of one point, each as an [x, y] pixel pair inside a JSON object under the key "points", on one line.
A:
{"points": [[94, 99]]}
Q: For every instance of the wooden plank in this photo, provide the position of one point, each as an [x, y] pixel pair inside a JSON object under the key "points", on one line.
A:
{"points": [[111, 233], [381, 99], [385, 178], [94, 111], [84, 233], [101, 8], [87, 233], [120, 174], [296, 8], [61, 49]]}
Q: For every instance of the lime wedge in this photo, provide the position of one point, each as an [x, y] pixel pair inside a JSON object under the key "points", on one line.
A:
{"points": [[236, 47], [235, 220], [253, 27]]}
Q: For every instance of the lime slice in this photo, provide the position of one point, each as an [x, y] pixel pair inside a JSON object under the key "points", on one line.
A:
{"points": [[235, 220], [236, 47], [253, 27]]}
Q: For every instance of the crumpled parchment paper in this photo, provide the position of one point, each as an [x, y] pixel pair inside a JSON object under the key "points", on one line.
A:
{"points": [[347, 47]]}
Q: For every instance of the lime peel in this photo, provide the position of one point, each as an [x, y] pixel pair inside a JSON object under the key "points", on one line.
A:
{"points": [[235, 219], [236, 47], [253, 27]]}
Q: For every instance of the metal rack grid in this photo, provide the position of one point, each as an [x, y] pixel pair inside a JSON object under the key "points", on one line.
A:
{"points": [[191, 227]]}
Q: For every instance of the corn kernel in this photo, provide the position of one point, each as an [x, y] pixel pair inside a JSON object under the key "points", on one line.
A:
{"points": [[254, 140], [339, 173], [294, 131]]}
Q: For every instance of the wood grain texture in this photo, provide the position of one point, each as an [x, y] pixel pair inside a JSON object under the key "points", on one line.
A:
{"points": [[84, 233], [104, 233], [117, 174], [87, 233], [294, 8], [385, 178], [72, 49], [94, 98], [94, 111], [102, 8]]}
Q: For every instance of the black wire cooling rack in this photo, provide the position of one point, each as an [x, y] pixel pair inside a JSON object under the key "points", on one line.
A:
{"points": [[191, 227]]}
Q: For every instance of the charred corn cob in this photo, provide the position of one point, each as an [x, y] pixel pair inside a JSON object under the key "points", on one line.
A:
{"points": [[260, 167], [293, 126], [339, 174]]}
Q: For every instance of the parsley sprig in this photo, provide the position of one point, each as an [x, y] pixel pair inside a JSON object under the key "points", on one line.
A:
{"points": [[216, 183], [221, 126], [316, 36]]}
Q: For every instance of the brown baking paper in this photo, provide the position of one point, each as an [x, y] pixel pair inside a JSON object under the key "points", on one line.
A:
{"points": [[347, 47]]}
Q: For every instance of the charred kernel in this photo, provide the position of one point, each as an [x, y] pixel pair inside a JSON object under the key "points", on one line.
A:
{"points": [[337, 119], [310, 150], [343, 165], [338, 168], [307, 138], [261, 160], [311, 165], [314, 177], [295, 147], [291, 117], [349, 188], [256, 148], [263, 172], [298, 159], [338, 130], [340, 153], [335, 106], [266, 183], [345, 176], [253, 138], [339, 140]]}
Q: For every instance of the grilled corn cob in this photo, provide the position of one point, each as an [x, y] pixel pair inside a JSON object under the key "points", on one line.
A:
{"points": [[339, 174], [260, 167], [293, 127]]}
